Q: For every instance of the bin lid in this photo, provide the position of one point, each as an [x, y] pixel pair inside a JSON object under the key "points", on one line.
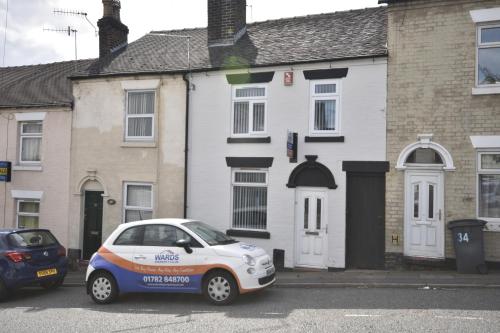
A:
{"points": [[466, 223]]}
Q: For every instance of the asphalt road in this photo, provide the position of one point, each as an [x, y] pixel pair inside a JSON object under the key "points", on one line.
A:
{"points": [[273, 310]]}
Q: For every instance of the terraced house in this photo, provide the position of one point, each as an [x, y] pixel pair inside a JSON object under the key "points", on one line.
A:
{"points": [[443, 125], [197, 122], [36, 109]]}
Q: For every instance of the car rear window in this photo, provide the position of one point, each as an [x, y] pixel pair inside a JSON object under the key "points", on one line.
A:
{"points": [[33, 238]]}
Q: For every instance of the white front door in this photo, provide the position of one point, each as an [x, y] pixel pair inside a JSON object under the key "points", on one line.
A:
{"points": [[424, 214], [311, 225]]}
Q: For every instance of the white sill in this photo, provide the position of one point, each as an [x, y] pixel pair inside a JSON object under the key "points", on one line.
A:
{"points": [[492, 226], [486, 90], [138, 144], [27, 168]]}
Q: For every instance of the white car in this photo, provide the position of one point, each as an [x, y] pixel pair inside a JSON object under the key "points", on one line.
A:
{"points": [[175, 255]]}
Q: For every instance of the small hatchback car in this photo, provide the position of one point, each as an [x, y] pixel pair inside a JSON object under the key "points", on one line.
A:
{"points": [[174, 255], [28, 257]]}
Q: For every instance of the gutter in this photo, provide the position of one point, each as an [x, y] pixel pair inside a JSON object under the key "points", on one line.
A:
{"points": [[215, 69], [186, 139]]}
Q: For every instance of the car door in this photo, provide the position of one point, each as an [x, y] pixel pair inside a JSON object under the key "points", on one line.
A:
{"points": [[119, 258], [166, 267]]}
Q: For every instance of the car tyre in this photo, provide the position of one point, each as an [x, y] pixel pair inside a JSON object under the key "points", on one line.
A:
{"points": [[220, 288], [54, 284], [103, 288]]}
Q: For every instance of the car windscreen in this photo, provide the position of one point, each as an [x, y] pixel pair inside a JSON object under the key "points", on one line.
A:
{"points": [[32, 238], [209, 234]]}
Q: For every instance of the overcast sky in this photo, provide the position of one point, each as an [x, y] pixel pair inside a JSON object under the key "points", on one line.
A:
{"points": [[27, 42]]}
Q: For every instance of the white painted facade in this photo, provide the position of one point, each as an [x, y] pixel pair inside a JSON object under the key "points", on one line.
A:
{"points": [[362, 123]]}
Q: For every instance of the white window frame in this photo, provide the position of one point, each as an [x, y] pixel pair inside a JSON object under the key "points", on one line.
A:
{"points": [[479, 46], [328, 96], [18, 213], [152, 116], [23, 136], [136, 208], [251, 101], [235, 183], [481, 171]]}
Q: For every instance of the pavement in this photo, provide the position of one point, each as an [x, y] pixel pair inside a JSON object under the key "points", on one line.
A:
{"points": [[363, 279]]}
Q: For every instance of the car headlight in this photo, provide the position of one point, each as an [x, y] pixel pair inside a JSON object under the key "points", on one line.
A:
{"points": [[249, 260]]}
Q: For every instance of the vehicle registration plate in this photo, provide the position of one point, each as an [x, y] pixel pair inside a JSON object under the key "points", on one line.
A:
{"points": [[46, 272], [270, 271]]}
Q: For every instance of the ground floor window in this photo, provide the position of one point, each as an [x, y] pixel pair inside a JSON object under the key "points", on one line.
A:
{"points": [[489, 185], [138, 202], [249, 190], [28, 213]]}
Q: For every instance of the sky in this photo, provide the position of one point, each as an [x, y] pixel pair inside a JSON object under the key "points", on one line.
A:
{"points": [[27, 43]]}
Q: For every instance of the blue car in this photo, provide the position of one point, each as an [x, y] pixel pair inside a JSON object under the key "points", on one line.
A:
{"points": [[30, 257]]}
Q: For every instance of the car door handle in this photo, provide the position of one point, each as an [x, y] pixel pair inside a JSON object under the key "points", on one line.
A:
{"points": [[140, 257]]}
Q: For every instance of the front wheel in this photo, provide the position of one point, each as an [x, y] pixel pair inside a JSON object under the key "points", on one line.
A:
{"points": [[103, 288], [220, 288]]}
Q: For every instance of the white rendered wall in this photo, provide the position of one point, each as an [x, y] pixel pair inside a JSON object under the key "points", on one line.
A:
{"points": [[363, 102]]}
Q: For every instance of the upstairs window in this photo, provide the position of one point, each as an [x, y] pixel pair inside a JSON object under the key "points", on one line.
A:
{"points": [[488, 55], [30, 142], [249, 110], [250, 199], [139, 122], [325, 102]]}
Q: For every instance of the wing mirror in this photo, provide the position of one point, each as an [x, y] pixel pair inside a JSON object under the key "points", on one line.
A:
{"points": [[184, 244]]}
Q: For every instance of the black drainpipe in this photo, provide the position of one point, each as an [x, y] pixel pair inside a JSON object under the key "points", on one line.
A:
{"points": [[188, 84]]}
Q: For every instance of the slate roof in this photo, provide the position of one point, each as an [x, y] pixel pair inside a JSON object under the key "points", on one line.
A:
{"points": [[38, 85], [312, 38]]}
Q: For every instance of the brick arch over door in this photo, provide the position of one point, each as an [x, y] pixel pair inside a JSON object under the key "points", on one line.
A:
{"points": [[311, 174]]}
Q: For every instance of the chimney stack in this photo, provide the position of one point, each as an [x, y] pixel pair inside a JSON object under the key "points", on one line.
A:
{"points": [[112, 32], [227, 21]]}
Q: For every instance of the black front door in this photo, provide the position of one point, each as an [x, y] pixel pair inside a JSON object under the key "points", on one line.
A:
{"points": [[92, 230], [365, 241]]}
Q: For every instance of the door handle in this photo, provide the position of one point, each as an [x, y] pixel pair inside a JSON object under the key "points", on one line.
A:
{"points": [[440, 215], [140, 257]]}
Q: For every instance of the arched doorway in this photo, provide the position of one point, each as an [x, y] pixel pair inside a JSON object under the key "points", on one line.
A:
{"points": [[311, 181], [424, 164]]}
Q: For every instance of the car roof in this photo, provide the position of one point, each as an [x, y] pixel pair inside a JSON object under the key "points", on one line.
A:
{"points": [[9, 231], [170, 221]]}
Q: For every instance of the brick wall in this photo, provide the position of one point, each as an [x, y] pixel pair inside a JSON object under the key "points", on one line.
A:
{"points": [[432, 51], [226, 18]]}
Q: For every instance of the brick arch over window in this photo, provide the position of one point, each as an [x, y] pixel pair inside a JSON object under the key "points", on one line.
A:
{"points": [[311, 174]]}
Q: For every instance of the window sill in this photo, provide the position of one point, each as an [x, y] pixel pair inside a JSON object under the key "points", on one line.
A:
{"points": [[138, 144], [248, 234], [324, 139], [486, 90], [249, 140], [492, 226], [27, 168]]}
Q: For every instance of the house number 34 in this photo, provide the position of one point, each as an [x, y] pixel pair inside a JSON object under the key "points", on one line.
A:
{"points": [[463, 237]]}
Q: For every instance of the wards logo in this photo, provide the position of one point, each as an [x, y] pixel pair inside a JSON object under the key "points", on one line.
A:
{"points": [[167, 257]]}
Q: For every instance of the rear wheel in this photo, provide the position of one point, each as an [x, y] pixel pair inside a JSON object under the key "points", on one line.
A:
{"points": [[220, 288], [103, 289]]}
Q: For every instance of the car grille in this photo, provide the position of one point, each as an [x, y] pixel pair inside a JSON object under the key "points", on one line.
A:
{"points": [[266, 280]]}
